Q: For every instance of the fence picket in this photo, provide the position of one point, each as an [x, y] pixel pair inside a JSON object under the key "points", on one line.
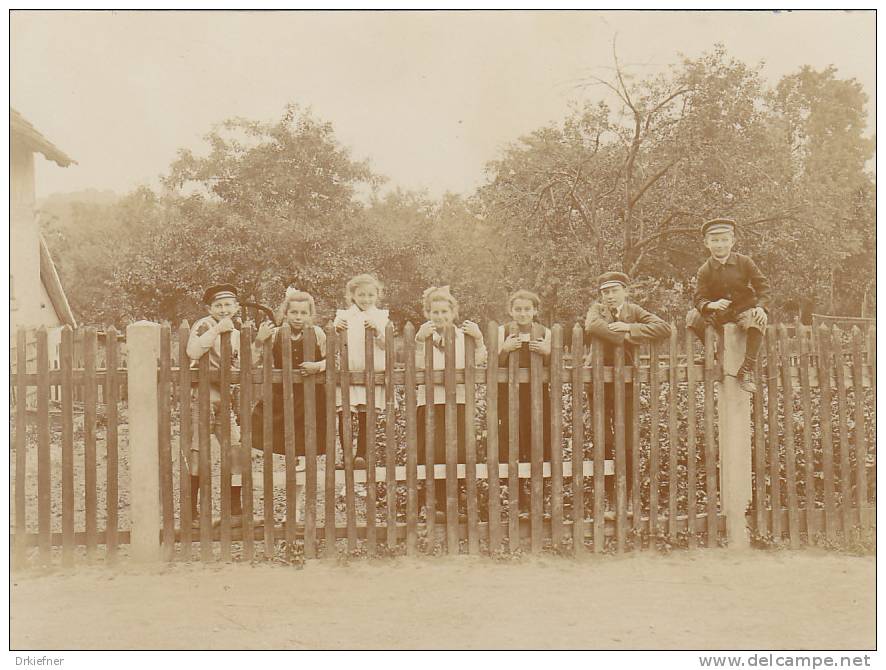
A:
{"points": [[845, 500], [759, 464], [329, 524], [268, 448], [411, 443], [90, 467], [21, 443], [578, 431], [428, 410], [673, 434], [44, 481], [289, 437], [861, 484], [654, 444], [635, 451], [390, 442], [774, 433], [827, 444], [347, 445], [309, 416], [536, 497], [556, 372], [808, 453], [205, 465], [67, 401], [223, 426], [167, 510], [369, 440], [471, 448], [184, 441], [513, 451], [691, 483], [111, 394], [493, 497], [451, 436], [245, 457], [599, 427], [790, 448], [618, 384], [710, 374]]}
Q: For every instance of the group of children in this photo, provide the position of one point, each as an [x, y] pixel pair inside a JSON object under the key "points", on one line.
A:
{"points": [[730, 289]]}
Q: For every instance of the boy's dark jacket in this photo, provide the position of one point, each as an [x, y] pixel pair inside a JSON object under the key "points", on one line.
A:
{"points": [[738, 279], [644, 326]]}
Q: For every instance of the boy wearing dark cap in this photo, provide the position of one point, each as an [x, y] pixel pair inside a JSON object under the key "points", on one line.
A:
{"points": [[610, 322], [730, 289], [205, 340]]}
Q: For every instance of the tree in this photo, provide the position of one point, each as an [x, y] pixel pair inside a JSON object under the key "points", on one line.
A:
{"points": [[823, 120]]}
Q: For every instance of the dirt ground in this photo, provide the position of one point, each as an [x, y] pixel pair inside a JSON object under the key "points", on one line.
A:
{"points": [[686, 600]]}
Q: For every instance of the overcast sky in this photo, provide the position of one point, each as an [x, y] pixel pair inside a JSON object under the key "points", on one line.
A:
{"points": [[428, 98]]}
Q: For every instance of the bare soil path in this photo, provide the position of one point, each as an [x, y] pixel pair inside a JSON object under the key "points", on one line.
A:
{"points": [[699, 600]]}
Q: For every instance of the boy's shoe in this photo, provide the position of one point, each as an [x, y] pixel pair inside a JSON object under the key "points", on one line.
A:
{"points": [[359, 463], [746, 380]]}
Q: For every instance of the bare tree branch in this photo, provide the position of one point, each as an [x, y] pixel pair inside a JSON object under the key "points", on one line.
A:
{"points": [[649, 182]]}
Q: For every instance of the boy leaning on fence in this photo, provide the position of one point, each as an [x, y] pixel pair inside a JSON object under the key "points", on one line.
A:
{"points": [[205, 340], [730, 289], [610, 322]]}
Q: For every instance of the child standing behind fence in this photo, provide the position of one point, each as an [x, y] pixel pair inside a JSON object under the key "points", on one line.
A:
{"points": [[362, 294], [205, 339], [522, 337], [441, 310], [614, 321], [298, 310]]}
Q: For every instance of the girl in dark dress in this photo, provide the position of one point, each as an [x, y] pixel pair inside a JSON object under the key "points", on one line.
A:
{"points": [[520, 338], [298, 311]]}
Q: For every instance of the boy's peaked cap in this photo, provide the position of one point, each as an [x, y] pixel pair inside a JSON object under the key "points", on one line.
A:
{"points": [[718, 225], [608, 279], [213, 293]]}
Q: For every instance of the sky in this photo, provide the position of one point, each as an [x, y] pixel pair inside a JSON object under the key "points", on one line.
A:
{"points": [[427, 97]]}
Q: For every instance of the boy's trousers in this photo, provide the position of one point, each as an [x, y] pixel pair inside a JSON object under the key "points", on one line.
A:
{"points": [[237, 459], [609, 433]]}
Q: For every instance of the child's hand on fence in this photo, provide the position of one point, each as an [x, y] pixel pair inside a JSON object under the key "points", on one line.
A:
{"points": [[540, 346], [512, 343], [719, 305], [340, 323], [226, 325], [425, 331], [311, 367], [265, 330], [472, 329], [758, 314]]}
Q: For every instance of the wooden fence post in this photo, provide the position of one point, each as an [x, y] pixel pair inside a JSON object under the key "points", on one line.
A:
{"points": [[143, 347], [734, 411]]}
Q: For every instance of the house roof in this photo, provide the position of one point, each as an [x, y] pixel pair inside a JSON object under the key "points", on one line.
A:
{"points": [[21, 129], [53, 286]]}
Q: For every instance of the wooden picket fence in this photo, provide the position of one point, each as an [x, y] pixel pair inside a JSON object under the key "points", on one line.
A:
{"points": [[817, 490], [814, 438]]}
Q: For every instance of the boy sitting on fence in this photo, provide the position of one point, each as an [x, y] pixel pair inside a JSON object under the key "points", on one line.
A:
{"points": [[205, 339], [610, 322], [730, 289]]}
